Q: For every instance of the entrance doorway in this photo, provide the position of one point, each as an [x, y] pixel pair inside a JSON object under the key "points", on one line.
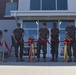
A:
{"points": [[31, 30]]}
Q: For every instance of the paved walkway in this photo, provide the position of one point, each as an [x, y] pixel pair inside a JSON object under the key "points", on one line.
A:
{"points": [[37, 70], [10, 67]]}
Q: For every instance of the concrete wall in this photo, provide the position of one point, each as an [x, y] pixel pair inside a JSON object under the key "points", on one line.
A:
{"points": [[72, 5], [8, 25], [24, 5]]}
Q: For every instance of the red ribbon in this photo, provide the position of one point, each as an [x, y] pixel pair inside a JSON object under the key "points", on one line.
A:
{"points": [[67, 41], [43, 41], [31, 40], [7, 46], [0, 45]]}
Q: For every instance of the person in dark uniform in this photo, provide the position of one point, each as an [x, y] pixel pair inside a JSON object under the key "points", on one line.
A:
{"points": [[1, 34], [70, 33], [54, 42], [74, 53], [43, 35], [18, 36]]}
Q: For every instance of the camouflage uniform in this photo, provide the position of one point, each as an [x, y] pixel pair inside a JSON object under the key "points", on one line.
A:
{"points": [[75, 47], [43, 33], [1, 34], [18, 35], [70, 30], [54, 42]]}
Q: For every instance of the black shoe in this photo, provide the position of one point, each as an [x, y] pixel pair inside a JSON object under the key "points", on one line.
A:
{"points": [[70, 60], [38, 60], [44, 60], [52, 60], [17, 60], [56, 60], [74, 59], [22, 60]]}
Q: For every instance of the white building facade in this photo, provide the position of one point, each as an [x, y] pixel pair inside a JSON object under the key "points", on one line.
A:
{"points": [[32, 13]]}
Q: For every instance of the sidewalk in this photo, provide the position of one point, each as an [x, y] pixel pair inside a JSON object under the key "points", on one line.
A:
{"points": [[37, 68]]}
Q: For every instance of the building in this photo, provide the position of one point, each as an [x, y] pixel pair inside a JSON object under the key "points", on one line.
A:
{"points": [[7, 23], [32, 13]]}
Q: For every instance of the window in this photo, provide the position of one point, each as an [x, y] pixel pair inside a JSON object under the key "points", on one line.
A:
{"points": [[30, 33], [48, 5], [63, 25], [49, 23], [29, 24], [10, 6], [35, 5], [61, 4]]}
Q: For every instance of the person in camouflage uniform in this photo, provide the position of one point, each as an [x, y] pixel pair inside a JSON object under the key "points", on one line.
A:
{"points": [[54, 42], [74, 53], [43, 35], [18, 36], [1, 34], [70, 33]]}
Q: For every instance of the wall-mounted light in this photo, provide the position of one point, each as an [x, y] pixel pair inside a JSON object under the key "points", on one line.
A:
{"points": [[11, 0], [60, 22], [37, 22]]}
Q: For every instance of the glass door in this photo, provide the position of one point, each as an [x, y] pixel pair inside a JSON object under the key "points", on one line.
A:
{"points": [[62, 27], [49, 26], [30, 30]]}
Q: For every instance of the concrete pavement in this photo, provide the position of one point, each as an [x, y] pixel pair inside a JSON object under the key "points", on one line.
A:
{"points": [[37, 68], [10, 67]]}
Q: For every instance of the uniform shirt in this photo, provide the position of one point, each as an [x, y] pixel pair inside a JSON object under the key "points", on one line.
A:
{"points": [[70, 31], [1, 34], [75, 32], [54, 33], [43, 33], [18, 33]]}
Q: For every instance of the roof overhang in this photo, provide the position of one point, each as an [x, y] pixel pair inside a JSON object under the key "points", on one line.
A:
{"points": [[44, 15]]}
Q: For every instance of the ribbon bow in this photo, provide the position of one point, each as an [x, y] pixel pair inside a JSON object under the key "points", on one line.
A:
{"points": [[32, 51], [31, 40], [67, 41]]}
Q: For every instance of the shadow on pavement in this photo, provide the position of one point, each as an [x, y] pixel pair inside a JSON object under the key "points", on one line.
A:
{"points": [[11, 62]]}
